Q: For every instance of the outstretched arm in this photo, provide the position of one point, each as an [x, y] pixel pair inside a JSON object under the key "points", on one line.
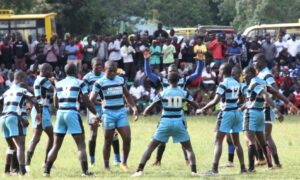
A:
{"points": [[150, 107], [193, 104], [197, 72], [211, 103], [153, 77]]}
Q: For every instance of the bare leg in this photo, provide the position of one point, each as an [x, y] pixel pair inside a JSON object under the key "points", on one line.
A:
{"points": [[239, 150], [126, 137], [108, 138], [218, 150], [9, 155], [160, 151], [271, 143], [231, 148], [20, 143], [147, 154], [79, 140], [261, 139], [49, 132], [190, 154], [37, 133], [92, 142], [250, 135]]}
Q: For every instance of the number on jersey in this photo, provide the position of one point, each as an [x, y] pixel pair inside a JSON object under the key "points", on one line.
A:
{"points": [[175, 102]]}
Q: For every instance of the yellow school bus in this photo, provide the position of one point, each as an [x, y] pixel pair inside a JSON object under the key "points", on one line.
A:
{"points": [[187, 33], [272, 29], [27, 24]]}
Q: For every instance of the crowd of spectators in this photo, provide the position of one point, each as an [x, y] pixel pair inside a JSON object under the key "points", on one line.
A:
{"points": [[282, 54]]}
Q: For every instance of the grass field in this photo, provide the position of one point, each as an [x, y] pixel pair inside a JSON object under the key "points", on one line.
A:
{"points": [[67, 166]]}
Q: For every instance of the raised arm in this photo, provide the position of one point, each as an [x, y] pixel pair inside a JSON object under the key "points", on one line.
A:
{"points": [[153, 77], [197, 72]]}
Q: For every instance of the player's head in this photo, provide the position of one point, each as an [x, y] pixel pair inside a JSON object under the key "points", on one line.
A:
{"points": [[173, 78], [172, 68], [71, 70], [248, 74], [225, 70], [236, 72], [110, 69], [259, 61], [96, 64], [46, 70], [20, 77]]}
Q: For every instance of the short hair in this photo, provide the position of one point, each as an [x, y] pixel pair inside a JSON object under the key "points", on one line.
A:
{"points": [[45, 66], [227, 68], [173, 78], [19, 75], [249, 69], [260, 57], [95, 59], [71, 69], [110, 65]]}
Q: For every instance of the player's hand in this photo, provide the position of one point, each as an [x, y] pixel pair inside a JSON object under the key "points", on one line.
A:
{"points": [[135, 114], [279, 116], [200, 111], [146, 54], [39, 117], [96, 121]]}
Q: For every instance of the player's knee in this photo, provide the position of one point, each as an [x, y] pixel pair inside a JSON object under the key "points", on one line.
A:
{"points": [[127, 141]]}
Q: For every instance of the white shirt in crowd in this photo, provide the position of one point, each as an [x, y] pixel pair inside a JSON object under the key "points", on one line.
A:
{"points": [[126, 53], [279, 47], [114, 55], [137, 92], [293, 47], [211, 75]]}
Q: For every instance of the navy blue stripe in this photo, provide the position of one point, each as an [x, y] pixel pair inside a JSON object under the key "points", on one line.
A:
{"points": [[67, 108], [268, 76], [72, 100], [114, 97], [253, 86], [114, 107], [71, 89], [171, 116], [43, 82], [172, 109], [231, 100], [230, 109], [12, 103], [82, 85], [111, 86], [259, 99]]}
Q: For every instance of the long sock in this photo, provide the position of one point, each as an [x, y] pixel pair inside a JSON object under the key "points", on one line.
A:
{"points": [[84, 166], [106, 164], [160, 152], [140, 168], [194, 168], [243, 166], [48, 167], [251, 156], [260, 154], [116, 148], [267, 155], [22, 169], [231, 149], [15, 162], [7, 168], [92, 147], [46, 157], [276, 159], [29, 156], [215, 167]]}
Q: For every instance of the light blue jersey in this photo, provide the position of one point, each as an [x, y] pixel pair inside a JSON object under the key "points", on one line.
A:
{"points": [[172, 122], [172, 101], [42, 86], [90, 78], [112, 92], [68, 91], [14, 107], [256, 101], [68, 119], [230, 90]]}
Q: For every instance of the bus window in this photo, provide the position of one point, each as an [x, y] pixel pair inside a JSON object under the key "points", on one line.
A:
{"points": [[252, 34], [272, 32], [22, 24], [3, 24]]}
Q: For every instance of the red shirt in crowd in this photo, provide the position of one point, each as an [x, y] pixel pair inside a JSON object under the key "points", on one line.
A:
{"points": [[79, 53], [297, 98], [218, 49]]}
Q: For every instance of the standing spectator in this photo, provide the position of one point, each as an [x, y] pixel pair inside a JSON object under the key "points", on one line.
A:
{"points": [[156, 52], [245, 52], [6, 51], [200, 49], [209, 80], [71, 52], [188, 54], [20, 49], [168, 53], [88, 52], [172, 34], [218, 48], [254, 48], [114, 50], [31, 48], [101, 50], [79, 55], [51, 52], [39, 50], [234, 53], [2, 83], [160, 32], [269, 50], [61, 57], [238, 39], [280, 45], [293, 47], [126, 52]]}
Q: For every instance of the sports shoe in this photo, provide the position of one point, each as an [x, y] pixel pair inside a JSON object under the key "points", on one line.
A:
{"points": [[243, 171], [156, 163], [46, 174], [87, 174], [227, 165], [117, 163], [27, 167], [137, 174], [260, 162], [194, 174], [251, 171], [124, 167], [277, 166], [211, 173]]}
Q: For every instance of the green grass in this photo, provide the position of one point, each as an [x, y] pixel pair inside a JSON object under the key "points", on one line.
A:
{"points": [[201, 129]]}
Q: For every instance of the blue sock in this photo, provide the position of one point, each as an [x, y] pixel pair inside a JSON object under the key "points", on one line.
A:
{"points": [[106, 164], [231, 149], [117, 158], [92, 159]]}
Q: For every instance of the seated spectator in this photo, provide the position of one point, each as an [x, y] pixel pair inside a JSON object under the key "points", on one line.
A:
{"points": [[209, 80], [234, 52], [137, 91], [183, 69], [187, 51], [58, 74]]}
